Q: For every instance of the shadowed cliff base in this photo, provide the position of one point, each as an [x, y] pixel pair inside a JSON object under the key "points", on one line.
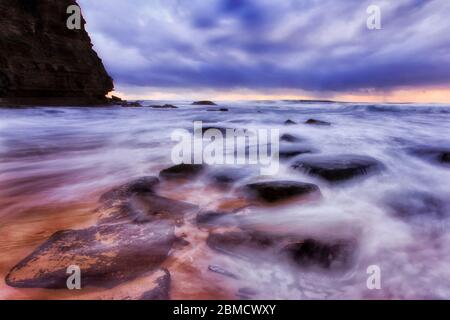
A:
{"points": [[42, 62]]}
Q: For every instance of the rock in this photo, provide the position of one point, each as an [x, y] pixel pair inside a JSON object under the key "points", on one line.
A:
{"points": [[222, 271], [219, 110], [411, 205], [337, 168], [43, 62], [229, 175], [137, 202], [161, 289], [139, 186], [432, 154], [289, 138], [214, 218], [241, 244], [166, 106], [203, 103], [275, 191], [289, 122], [318, 122], [182, 171], [336, 255], [145, 208], [116, 99], [107, 255], [287, 152]]}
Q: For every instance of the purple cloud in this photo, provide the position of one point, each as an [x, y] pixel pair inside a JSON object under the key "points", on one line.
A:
{"points": [[265, 44]]}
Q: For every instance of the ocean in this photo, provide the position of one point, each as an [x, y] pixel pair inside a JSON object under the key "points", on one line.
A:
{"points": [[56, 162]]}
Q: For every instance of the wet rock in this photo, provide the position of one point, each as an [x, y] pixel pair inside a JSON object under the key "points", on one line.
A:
{"points": [[166, 106], [182, 171], [218, 110], [241, 244], [145, 208], [288, 152], [138, 186], [289, 138], [203, 103], [214, 218], [317, 122], [229, 175], [107, 255], [289, 122], [223, 272], [338, 168], [161, 289], [416, 205], [275, 191], [336, 255], [432, 154]]}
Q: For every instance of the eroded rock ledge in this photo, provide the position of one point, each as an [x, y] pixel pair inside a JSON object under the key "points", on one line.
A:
{"points": [[42, 62]]}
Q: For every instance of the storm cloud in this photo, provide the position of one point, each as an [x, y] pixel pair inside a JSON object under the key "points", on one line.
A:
{"points": [[314, 45]]}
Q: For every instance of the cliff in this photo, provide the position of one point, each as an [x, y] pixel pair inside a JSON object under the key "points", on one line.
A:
{"points": [[42, 61]]}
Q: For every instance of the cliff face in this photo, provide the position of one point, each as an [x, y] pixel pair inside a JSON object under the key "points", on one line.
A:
{"points": [[42, 61]]}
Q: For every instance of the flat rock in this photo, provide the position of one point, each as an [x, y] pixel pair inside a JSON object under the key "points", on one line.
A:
{"points": [[182, 171], [145, 208], [317, 122], [275, 191], [203, 103], [165, 106], [107, 255], [338, 168], [337, 255]]}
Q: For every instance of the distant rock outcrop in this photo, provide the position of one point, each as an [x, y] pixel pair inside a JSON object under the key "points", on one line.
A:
{"points": [[43, 62]]}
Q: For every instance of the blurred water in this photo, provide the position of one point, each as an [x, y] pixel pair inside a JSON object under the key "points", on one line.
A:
{"points": [[58, 155]]}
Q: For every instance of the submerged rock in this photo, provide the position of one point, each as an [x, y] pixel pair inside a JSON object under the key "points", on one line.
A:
{"points": [[317, 122], [289, 138], [213, 218], [292, 151], [275, 191], [412, 205], [146, 207], [432, 154], [335, 255], [138, 186], [166, 106], [338, 168], [107, 255], [182, 171], [137, 202], [218, 110], [203, 103]]}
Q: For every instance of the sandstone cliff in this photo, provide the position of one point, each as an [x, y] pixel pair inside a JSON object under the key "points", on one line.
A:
{"points": [[42, 61]]}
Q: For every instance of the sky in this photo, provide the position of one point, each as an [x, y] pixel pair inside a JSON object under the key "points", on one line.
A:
{"points": [[264, 49]]}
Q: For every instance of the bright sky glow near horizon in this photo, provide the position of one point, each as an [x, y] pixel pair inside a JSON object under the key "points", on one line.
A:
{"points": [[267, 49]]}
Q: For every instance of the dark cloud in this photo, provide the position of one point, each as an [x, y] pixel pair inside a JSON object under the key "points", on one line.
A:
{"points": [[264, 44]]}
